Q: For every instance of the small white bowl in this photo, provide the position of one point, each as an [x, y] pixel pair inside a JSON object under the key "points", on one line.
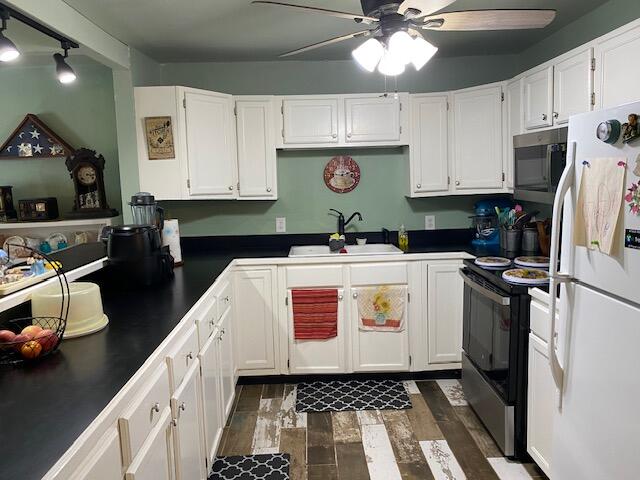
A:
{"points": [[361, 241]]}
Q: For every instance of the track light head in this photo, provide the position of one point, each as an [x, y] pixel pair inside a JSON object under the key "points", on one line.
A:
{"points": [[64, 72], [8, 49]]}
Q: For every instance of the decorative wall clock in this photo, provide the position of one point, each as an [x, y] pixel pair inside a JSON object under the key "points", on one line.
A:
{"points": [[86, 169], [342, 174]]}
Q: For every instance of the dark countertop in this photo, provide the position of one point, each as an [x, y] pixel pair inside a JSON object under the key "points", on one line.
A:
{"points": [[46, 406]]}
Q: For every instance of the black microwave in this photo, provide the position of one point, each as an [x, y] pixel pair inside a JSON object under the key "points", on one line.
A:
{"points": [[539, 160]]}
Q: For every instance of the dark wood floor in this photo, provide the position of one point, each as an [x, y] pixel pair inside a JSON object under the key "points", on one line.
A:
{"points": [[439, 438]]}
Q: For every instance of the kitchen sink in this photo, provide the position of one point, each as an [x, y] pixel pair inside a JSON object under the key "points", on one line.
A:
{"points": [[323, 250]]}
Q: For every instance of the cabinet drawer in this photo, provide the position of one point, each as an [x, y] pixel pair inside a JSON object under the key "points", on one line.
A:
{"points": [[225, 299], [143, 413], [540, 323], [316, 276], [182, 356], [379, 274], [206, 320], [154, 461]]}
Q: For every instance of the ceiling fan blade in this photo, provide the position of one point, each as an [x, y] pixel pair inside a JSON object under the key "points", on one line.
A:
{"points": [[471, 20], [333, 13], [363, 34], [425, 7]]}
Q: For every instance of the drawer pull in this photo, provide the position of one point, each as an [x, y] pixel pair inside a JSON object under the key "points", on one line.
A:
{"points": [[212, 322], [544, 117], [183, 406], [355, 295], [190, 356], [156, 407], [269, 189], [174, 422], [339, 297]]}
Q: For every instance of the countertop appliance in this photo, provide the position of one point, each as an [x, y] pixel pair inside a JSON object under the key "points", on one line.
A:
{"points": [[495, 333], [485, 221], [145, 211], [38, 209], [136, 255], [539, 160], [594, 352]]}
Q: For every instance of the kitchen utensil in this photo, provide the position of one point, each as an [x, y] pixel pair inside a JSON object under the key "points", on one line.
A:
{"points": [[524, 219], [361, 241], [512, 239], [86, 315], [145, 210], [530, 239]]}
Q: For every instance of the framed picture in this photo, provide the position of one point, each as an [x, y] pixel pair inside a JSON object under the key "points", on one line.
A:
{"points": [[159, 132]]}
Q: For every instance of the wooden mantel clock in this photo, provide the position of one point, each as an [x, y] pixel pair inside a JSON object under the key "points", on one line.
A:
{"points": [[86, 169]]}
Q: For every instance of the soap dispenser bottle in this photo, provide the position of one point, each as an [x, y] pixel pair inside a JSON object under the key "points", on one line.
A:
{"points": [[403, 239]]}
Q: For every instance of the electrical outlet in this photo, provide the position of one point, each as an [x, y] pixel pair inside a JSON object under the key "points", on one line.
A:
{"points": [[429, 222], [281, 224]]}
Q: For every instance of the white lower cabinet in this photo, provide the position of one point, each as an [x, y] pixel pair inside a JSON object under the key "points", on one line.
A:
{"points": [[540, 404], [227, 370], [444, 294], [104, 461], [211, 388], [186, 412], [255, 319], [154, 461]]}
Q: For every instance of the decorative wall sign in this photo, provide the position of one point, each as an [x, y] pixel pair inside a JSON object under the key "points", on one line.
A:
{"points": [[631, 129], [633, 198], [159, 138], [34, 139], [342, 174]]}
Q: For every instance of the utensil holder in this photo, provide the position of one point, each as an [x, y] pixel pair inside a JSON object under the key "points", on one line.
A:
{"points": [[512, 239], [530, 240]]}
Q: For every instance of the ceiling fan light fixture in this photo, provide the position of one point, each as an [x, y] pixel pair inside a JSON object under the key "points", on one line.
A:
{"points": [[401, 46], [368, 54], [421, 52], [390, 65]]}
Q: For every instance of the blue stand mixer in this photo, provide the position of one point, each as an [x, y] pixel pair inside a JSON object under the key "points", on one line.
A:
{"points": [[485, 221]]}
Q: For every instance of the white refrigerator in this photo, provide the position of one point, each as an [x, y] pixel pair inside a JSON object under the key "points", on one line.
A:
{"points": [[595, 352]]}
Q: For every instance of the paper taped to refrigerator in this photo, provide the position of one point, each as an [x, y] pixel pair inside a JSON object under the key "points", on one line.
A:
{"points": [[599, 203]]}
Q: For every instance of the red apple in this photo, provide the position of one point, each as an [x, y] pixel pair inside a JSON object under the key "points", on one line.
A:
{"points": [[31, 331], [31, 349], [7, 336], [19, 340], [47, 338]]}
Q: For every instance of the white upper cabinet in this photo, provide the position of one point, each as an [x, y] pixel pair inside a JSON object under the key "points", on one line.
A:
{"points": [[538, 99], [372, 119], [429, 150], [572, 86], [617, 69], [477, 138], [255, 127], [514, 125], [311, 120], [210, 145]]}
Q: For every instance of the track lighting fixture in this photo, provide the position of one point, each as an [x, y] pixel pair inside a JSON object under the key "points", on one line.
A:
{"points": [[8, 50], [64, 72]]}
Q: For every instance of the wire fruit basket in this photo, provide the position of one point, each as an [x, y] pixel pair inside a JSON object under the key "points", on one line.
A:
{"points": [[33, 338]]}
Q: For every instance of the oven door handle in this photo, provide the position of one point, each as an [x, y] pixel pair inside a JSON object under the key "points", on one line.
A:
{"points": [[499, 299]]}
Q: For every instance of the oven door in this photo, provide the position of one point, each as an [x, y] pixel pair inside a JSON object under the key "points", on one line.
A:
{"points": [[486, 330]]}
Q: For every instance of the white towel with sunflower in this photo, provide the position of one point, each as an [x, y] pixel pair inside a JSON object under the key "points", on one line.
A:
{"points": [[381, 308]]}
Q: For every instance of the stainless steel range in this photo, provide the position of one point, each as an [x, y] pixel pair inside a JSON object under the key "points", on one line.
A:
{"points": [[494, 360]]}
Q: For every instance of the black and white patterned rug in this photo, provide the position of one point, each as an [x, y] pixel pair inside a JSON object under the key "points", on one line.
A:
{"points": [[340, 396], [252, 467]]}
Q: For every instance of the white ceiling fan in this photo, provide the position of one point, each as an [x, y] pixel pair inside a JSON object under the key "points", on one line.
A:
{"points": [[394, 28]]}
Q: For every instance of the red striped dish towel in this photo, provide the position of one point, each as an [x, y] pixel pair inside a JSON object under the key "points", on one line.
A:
{"points": [[315, 313]]}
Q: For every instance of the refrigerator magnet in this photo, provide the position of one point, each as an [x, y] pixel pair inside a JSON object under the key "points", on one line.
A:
{"points": [[636, 171], [609, 131], [633, 198], [632, 239], [631, 129]]}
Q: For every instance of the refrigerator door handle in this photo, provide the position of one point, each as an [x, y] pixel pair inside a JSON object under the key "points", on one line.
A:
{"points": [[566, 182]]}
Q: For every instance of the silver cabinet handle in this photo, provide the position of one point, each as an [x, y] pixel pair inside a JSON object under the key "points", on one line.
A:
{"points": [[190, 356], [212, 322], [268, 189], [339, 297], [544, 116], [156, 407], [334, 135], [183, 406], [174, 422], [349, 135], [355, 295], [226, 299], [556, 114], [230, 187], [457, 182], [418, 186]]}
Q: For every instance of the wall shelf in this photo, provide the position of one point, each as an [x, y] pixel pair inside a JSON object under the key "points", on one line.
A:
{"points": [[55, 223]]}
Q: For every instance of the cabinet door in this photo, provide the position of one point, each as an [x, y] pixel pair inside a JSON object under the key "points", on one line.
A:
{"points": [[374, 351], [540, 404], [372, 119], [515, 120], [616, 69], [210, 145], [212, 416], [227, 366], [254, 319], [444, 312], [256, 149], [478, 139], [310, 121], [538, 99], [104, 462], [186, 411], [429, 155], [317, 356], [154, 460], [572, 86]]}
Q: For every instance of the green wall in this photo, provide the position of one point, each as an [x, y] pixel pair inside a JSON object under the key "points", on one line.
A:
{"points": [[304, 199], [82, 113]]}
